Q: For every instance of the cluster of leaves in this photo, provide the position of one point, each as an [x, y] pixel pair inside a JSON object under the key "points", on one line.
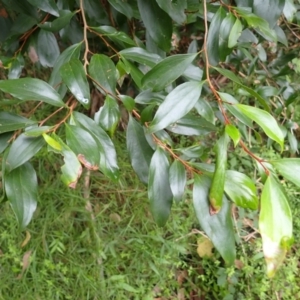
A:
{"points": [[180, 58]]}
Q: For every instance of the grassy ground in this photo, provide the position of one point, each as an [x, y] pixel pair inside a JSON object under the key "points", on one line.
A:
{"points": [[120, 253]]}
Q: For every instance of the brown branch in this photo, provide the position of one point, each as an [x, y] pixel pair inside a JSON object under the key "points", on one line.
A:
{"points": [[85, 39]]}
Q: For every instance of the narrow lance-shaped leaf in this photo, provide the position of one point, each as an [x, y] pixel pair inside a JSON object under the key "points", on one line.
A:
{"points": [[177, 178], [21, 191], [241, 189], [177, 104], [12, 122], [217, 186], [108, 115], [157, 23], [234, 133], [103, 71], [82, 143], [235, 33], [159, 191], [74, 77], [265, 121], [225, 29], [212, 46], [31, 89], [140, 152], [4, 141], [22, 149], [166, 71], [275, 224], [176, 10], [288, 168], [218, 227]]}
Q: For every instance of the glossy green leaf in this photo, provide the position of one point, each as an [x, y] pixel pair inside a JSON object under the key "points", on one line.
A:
{"points": [[177, 104], [275, 224], [229, 102], [108, 115], [176, 10], [191, 125], [157, 23], [166, 71], [55, 78], [37, 131], [218, 181], [235, 33], [31, 89], [123, 7], [21, 189], [12, 122], [114, 35], [4, 140], [73, 75], [48, 6], [47, 48], [22, 149], [140, 152], [212, 46], [103, 71], [177, 178], [108, 157], [16, 67], [141, 56], [128, 102], [218, 227], [159, 191], [53, 143], [135, 72], [225, 30], [233, 133], [59, 23], [265, 121], [230, 75], [288, 168], [241, 189], [205, 110], [82, 143]]}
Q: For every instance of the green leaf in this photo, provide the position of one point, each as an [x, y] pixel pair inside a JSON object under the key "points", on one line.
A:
{"points": [[135, 72], [241, 190], [37, 131], [166, 71], [47, 48], [204, 109], [53, 143], [82, 143], [177, 104], [230, 75], [176, 10], [23, 149], [225, 30], [12, 122], [31, 89], [21, 190], [4, 139], [128, 102], [48, 6], [114, 35], [108, 115], [234, 133], [177, 178], [191, 125], [213, 37], [229, 103], [74, 77], [275, 224], [157, 23], [218, 227], [159, 191], [108, 157], [123, 7], [141, 56], [103, 71], [140, 152], [265, 121], [218, 181], [235, 33], [288, 168], [55, 78]]}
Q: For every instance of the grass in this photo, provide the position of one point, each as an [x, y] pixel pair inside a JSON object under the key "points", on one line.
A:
{"points": [[121, 253]]}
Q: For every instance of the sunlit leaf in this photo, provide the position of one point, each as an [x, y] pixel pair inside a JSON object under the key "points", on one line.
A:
{"points": [[233, 133]]}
